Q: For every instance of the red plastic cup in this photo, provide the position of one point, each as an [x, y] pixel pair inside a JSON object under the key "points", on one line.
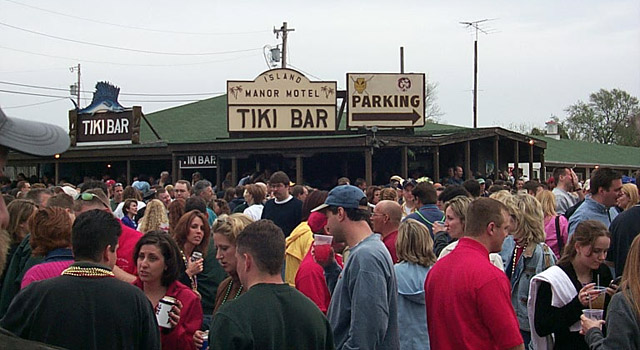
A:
{"points": [[322, 248]]}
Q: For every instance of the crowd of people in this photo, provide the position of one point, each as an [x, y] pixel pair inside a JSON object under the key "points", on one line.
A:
{"points": [[268, 264]]}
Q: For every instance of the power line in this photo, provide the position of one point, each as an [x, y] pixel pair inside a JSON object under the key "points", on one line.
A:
{"points": [[306, 73], [93, 20], [32, 70], [125, 48], [122, 93], [36, 104], [127, 64], [125, 100]]}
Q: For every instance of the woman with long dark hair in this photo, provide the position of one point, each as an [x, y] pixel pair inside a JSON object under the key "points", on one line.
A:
{"points": [[158, 262], [560, 293], [192, 234]]}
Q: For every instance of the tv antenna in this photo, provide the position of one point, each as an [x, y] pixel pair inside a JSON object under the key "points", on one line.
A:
{"points": [[476, 25]]}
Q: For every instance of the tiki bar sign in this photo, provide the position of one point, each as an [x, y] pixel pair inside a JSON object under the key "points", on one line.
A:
{"points": [[199, 161], [281, 100], [104, 121]]}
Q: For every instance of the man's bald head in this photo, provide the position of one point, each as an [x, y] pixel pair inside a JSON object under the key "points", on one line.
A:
{"points": [[392, 209]]}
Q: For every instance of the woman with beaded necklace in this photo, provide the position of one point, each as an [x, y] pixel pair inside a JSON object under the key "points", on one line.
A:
{"points": [[225, 230], [192, 234], [525, 254]]}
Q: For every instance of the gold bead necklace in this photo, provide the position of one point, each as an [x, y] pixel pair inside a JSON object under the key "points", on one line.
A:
{"points": [[92, 272]]}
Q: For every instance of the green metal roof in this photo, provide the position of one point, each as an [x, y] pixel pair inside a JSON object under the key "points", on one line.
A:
{"points": [[581, 152], [200, 121], [206, 120]]}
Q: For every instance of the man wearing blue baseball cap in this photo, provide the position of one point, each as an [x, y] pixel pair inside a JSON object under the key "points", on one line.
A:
{"points": [[363, 311]]}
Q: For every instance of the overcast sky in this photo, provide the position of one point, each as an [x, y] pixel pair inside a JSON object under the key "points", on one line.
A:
{"points": [[540, 56]]}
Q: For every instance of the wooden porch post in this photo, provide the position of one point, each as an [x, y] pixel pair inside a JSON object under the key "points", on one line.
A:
{"points": [[405, 162], [368, 166], [516, 164], [436, 164], [467, 160], [496, 156], [234, 170], [299, 170]]}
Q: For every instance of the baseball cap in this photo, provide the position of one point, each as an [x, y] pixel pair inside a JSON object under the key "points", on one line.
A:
{"points": [[396, 178], [481, 181], [317, 221], [32, 137], [409, 182], [346, 196]]}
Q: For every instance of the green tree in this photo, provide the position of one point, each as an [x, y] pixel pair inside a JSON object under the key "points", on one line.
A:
{"points": [[609, 117]]}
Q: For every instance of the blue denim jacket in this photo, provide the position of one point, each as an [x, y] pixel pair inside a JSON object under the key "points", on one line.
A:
{"points": [[591, 210], [535, 259]]}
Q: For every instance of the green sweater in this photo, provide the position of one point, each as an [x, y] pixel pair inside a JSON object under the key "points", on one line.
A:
{"points": [[270, 316], [21, 261]]}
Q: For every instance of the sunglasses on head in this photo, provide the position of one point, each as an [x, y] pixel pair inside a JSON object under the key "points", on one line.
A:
{"points": [[86, 196]]}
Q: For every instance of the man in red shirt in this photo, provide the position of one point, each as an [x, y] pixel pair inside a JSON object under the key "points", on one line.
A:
{"points": [[468, 299], [386, 220]]}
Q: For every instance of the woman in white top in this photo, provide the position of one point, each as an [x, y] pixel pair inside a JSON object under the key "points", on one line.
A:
{"points": [[455, 212], [254, 195]]}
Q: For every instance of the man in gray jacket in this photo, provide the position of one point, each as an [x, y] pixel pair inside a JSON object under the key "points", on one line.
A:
{"points": [[363, 312]]}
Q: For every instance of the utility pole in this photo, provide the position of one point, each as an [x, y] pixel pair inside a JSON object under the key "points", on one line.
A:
{"points": [[475, 25], [74, 69], [284, 30]]}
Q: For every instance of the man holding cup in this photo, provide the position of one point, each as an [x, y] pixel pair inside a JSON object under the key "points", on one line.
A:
{"points": [[363, 312]]}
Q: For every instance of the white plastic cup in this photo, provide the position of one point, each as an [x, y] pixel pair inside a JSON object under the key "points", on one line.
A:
{"points": [[594, 314], [322, 239]]}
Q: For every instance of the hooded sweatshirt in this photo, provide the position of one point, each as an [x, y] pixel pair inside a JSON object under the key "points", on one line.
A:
{"points": [[412, 315]]}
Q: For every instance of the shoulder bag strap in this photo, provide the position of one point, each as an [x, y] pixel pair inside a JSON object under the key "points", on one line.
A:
{"points": [[559, 235]]}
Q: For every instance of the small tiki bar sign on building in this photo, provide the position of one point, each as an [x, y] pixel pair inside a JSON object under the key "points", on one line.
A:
{"points": [[104, 121], [281, 100]]}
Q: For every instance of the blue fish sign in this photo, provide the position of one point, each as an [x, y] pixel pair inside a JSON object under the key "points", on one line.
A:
{"points": [[105, 99]]}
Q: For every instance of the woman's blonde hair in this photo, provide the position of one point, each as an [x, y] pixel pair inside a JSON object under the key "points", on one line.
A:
{"points": [[501, 196], [230, 226], [459, 205], [630, 285], [631, 190], [548, 202], [155, 215], [414, 243], [530, 220]]}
